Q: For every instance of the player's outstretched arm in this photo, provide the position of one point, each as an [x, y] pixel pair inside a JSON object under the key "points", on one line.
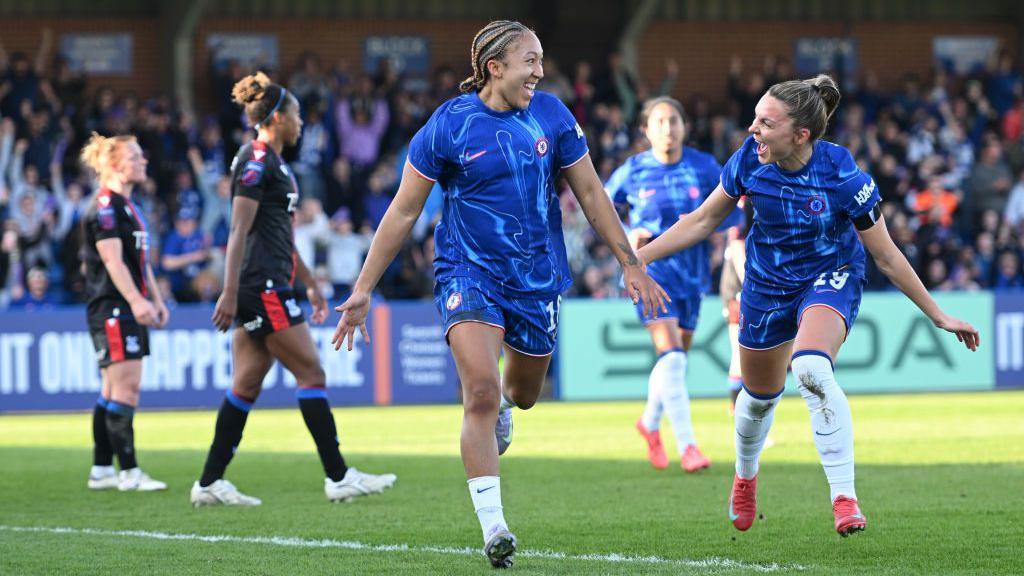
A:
{"points": [[391, 234], [894, 265], [601, 214], [691, 228]]}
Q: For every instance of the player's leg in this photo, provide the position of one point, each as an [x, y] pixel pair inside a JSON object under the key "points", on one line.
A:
{"points": [[295, 349], [475, 346], [251, 361], [822, 332], [125, 380], [767, 329], [102, 475]]}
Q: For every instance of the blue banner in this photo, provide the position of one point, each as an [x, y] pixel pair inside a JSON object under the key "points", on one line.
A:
{"points": [[405, 54], [47, 362], [1009, 339], [99, 54]]}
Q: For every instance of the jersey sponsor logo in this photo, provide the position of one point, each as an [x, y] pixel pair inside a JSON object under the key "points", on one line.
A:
{"points": [[647, 192], [541, 146], [252, 173], [106, 217], [254, 324], [579, 131], [293, 201], [454, 301], [471, 157], [865, 193], [816, 205], [293, 309], [131, 344]]}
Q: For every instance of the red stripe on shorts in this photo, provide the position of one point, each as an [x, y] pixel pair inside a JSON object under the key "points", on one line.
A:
{"points": [[275, 312], [114, 341]]}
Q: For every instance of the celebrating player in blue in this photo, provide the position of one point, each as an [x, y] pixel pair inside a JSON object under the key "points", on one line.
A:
{"points": [[501, 265], [659, 186], [804, 276]]}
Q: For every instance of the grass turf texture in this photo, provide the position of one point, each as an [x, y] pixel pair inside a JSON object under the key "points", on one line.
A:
{"points": [[939, 477]]}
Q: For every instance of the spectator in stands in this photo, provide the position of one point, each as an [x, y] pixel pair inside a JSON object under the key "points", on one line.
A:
{"points": [[184, 255], [37, 297]]}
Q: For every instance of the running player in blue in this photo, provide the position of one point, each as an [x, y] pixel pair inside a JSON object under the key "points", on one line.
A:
{"points": [[803, 281], [659, 185], [496, 151]]}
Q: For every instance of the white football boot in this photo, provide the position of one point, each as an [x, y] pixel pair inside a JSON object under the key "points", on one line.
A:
{"points": [[138, 481], [102, 478], [356, 484], [220, 493]]}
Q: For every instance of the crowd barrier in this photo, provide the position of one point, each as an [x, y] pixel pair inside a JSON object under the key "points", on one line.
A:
{"points": [[47, 360]]}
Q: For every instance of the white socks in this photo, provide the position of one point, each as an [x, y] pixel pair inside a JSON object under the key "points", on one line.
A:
{"points": [[753, 421], [486, 494], [831, 421], [666, 391], [675, 400]]}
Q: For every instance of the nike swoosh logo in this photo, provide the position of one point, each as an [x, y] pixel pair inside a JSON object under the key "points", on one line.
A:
{"points": [[482, 490], [470, 157], [732, 515]]}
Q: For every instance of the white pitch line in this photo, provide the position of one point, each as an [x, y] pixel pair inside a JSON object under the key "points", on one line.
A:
{"points": [[712, 563]]}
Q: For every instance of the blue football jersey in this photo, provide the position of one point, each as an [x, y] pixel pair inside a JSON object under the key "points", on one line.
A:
{"points": [[657, 195], [501, 222], [803, 220]]}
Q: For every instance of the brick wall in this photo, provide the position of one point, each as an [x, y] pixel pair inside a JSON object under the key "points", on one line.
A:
{"points": [[703, 49], [25, 34]]}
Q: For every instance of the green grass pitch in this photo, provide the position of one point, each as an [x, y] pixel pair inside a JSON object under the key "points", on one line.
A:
{"points": [[940, 478]]}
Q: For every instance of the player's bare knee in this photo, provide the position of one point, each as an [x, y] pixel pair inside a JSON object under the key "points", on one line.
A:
{"points": [[522, 400], [313, 377], [480, 397]]}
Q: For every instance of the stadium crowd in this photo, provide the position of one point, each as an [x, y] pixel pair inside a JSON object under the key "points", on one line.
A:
{"points": [[947, 153]]}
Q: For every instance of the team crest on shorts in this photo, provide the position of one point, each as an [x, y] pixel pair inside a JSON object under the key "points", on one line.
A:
{"points": [[541, 146], [293, 309], [131, 344], [454, 301], [816, 205]]}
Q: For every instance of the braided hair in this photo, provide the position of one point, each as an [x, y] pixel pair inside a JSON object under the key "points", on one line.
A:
{"points": [[492, 42]]}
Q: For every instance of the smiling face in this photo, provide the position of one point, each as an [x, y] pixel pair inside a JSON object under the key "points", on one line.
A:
{"points": [[773, 129], [665, 129], [514, 78]]}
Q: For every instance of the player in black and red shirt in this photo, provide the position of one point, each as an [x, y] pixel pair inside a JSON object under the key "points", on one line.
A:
{"points": [[123, 301], [258, 298]]}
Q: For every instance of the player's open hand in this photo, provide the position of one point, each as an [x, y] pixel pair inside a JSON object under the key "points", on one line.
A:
{"points": [[316, 298], [224, 312], [642, 288], [964, 331], [353, 315]]}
